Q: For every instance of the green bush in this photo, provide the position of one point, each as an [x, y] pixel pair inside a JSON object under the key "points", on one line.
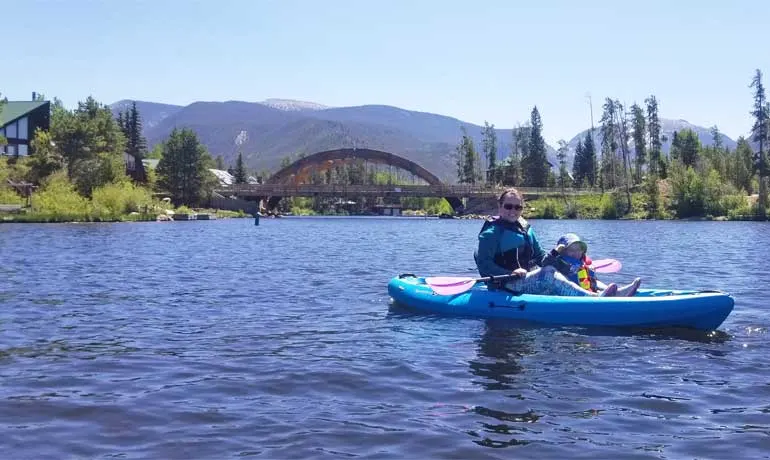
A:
{"points": [[117, 199], [9, 196], [609, 207], [744, 212], [58, 200], [688, 191], [571, 210], [550, 210]]}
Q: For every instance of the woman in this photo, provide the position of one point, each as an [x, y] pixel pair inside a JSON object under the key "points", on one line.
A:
{"points": [[508, 245]]}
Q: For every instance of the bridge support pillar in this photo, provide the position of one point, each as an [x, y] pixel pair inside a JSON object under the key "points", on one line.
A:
{"points": [[272, 202], [456, 203]]}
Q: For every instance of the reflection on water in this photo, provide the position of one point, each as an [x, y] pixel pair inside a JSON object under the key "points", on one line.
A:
{"points": [[500, 348]]}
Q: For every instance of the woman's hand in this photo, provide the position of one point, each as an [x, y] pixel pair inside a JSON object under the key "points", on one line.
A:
{"points": [[521, 272]]}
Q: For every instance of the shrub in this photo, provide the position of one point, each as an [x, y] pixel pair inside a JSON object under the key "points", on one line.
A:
{"points": [[58, 200]]}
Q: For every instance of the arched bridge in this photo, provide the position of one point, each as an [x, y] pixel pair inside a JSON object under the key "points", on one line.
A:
{"points": [[299, 171], [292, 180]]}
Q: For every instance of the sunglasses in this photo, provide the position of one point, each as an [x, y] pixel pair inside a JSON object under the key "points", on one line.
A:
{"points": [[510, 206]]}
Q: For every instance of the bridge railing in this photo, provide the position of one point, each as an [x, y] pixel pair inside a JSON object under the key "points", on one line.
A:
{"points": [[434, 190]]}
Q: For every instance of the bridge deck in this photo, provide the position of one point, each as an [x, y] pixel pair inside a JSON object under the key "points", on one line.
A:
{"points": [[445, 191]]}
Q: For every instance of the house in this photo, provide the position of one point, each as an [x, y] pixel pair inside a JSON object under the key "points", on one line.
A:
{"points": [[18, 122]]}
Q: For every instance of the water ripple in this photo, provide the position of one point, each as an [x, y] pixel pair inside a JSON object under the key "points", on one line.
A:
{"points": [[223, 339]]}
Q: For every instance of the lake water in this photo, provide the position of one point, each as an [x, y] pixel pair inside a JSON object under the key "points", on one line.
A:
{"points": [[223, 339]]}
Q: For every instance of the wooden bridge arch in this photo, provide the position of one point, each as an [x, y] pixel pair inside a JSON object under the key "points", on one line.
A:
{"points": [[328, 158], [301, 168]]}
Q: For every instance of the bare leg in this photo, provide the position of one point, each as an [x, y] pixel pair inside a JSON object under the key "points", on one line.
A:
{"points": [[630, 289], [547, 280]]}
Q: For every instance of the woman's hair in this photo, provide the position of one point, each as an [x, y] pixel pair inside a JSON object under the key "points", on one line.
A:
{"points": [[509, 191]]}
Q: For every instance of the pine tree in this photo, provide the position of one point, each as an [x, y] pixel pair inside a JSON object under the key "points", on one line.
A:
{"points": [[536, 163], [182, 168], [561, 155], [467, 159], [743, 165], [640, 144], [760, 135], [609, 130], [130, 123], [137, 144], [716, 138], [578, 173], [623, 134], [685, 147], [489, 147], [240, 171], [653, 124], [589, 158], [512, 171], [220, 162]]}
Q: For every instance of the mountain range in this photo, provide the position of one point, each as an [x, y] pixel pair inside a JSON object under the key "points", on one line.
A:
{"points": [[267, 132]]}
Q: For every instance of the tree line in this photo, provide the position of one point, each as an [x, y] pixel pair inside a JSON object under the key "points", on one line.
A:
{"points": [[92, 149], [697, 174]]}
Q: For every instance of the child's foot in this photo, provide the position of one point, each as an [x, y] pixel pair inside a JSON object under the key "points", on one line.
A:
{"points": [[629, 290], [611, 290]]}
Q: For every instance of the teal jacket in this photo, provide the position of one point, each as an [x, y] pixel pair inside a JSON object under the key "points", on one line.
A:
{"points": [[505, 246]]}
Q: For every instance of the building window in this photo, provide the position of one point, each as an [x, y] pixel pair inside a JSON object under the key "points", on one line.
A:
{"points": [[10, 150], [11, 130], [23, 151], [23, 129]]}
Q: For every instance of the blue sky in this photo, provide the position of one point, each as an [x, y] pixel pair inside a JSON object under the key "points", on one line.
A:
{"points": [[492, 61]]}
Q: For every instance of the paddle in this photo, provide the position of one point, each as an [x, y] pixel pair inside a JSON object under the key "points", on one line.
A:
{"points": [[606, 266], [452, 285]]}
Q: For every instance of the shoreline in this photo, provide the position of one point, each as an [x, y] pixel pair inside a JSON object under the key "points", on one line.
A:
{"points": [[31, 219]]}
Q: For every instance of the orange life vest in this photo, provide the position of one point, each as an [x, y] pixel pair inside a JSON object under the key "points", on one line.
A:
{"points": [[584, 278]]}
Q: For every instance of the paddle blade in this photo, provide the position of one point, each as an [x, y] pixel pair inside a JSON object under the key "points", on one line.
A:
{"points": [[449, 285], [607, 266]]}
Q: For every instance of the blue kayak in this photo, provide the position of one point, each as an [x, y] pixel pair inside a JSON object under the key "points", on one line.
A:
{"points": [[705, 310]]}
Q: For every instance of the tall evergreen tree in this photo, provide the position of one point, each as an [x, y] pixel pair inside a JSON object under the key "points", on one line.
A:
{"points": [[623, 137], [535, 164], [182, 168], [489, 147], [640, 144], [561, 155], [653, 128], [589, 158], [130, 123], [519, 141], [743, 165], [608, 169], [686, 147], [760, 135], [578, 173], [219, 161], [467, 160], [240, 170], [716, 138]]}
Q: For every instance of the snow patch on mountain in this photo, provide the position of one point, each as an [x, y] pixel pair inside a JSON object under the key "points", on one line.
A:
{"points": [[291, 105]]}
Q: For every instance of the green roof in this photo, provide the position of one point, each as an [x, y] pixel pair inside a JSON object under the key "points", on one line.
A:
{"points": [[12, 110]]}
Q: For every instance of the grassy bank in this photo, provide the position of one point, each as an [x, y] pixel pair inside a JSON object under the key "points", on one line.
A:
{"points": [[121, 201], [613, 206]]}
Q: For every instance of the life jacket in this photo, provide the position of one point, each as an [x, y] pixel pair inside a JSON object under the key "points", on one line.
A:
{"points": [[520, 257], [581, 272]]}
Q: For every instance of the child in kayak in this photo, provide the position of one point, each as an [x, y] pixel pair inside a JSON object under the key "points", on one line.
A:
{"points": [[570, 259]]}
